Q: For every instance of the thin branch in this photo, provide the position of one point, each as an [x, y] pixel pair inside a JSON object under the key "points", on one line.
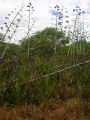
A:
{"points": [[79, 64]]}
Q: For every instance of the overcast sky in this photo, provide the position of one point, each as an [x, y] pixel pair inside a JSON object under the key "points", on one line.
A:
{"points": [[43, 10]]}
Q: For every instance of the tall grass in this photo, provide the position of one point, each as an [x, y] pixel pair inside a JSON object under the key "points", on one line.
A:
{"points": [[37, 79]]}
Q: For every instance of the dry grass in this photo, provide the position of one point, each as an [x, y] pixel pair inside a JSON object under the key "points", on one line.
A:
{"points": [[72, 109]]}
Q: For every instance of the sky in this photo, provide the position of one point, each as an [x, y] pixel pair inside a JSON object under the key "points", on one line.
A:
{"points": [[43, 12]]}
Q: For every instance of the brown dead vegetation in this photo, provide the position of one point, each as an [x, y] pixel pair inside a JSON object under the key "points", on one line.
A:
{"points": [[72, 109]]}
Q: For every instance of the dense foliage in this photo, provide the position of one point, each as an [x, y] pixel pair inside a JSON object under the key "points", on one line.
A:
{"points": [[41, 76]]}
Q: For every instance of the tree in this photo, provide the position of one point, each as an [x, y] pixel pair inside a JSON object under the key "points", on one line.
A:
{"points": [[1, 36], [48, 39], [11, 51]]}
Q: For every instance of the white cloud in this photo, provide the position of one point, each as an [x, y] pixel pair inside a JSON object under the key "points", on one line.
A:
{"points": [[42, 9]]}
